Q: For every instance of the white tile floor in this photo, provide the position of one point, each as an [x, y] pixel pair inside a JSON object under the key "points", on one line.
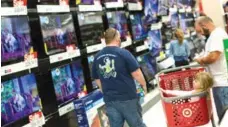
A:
{"points": [[155, 117]]}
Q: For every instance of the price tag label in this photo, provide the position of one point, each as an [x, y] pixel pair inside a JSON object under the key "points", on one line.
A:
{"points": [[37, 119], [141, 48], [67, 108], [165, 19], [128, 42], [189, 9], [52, 8], [58, 57], [94, 48], [118, 4], [10, 11], [135, 6], [156, 26], [173, 9], [95, 7], [182, 10]]}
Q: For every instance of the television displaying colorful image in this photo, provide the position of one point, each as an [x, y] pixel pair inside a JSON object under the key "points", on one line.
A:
{"points": [[185, 3], [15, 38], [174, 20], [150, 11], [148, 66], [155, 42], [139, 30], [68, 82], [163, 7], [58, 32], [186, 22], [118, 20], [90, 61], [19, 98], [91, 27], [85, 2], [172, 3]]}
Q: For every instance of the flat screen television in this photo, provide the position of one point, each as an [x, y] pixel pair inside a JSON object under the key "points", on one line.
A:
{"points": [[150, 11], [155, 42], [118, 20], [15, 38], [185, 3], [91, 28], [174, 20], [139, 29], [58, 32], [68, 82], [148, 66], [90, 61], [19, 98], [186, 22], [163, 7]]}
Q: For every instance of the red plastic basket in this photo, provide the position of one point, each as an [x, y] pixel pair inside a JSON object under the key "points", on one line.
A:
{"points": [[180, 111]]}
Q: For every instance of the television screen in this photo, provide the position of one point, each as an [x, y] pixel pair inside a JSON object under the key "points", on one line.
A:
{"points": [[163, 7], [85, 2], [172, 3], [118, 20], [150, 11], [174, 20], [68, 82], [91, 27], [155, 42], [19, 98], [185, 3], [90, 61], [186, 22], [148, 66], [15, 38], [139, 30], [58, 32]]}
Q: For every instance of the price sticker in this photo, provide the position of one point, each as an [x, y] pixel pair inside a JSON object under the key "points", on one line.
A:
{"points": [[135, 6], [10, 11], [95, 7], [53, 8], [67, 108]]}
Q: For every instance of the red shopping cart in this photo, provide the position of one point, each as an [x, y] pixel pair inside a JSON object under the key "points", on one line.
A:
{"points": [[181, 111]]}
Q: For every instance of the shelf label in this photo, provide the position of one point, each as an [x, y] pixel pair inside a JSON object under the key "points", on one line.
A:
{"points": [[126, 43], [173, 9], [96, 7], [156, 26], [118, 4], [10, 11], [64, 56], [165, 19], [65, 109], [142, 48], [52, 8], [94, 48], [182, 10], [135, 6]]}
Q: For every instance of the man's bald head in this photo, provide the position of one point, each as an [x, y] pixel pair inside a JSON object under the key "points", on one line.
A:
{"points": [[203, 20], [204, 25]]}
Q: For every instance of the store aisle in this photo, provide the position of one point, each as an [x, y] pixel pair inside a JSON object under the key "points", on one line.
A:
{"points": [[156, 118]]}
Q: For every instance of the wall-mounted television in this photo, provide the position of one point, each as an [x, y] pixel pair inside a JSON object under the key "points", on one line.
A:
{"points": [[185, 3], [58, 32], [150, 11], [90, 61], [68, 82], [155, 41], [19, 98], [15, 38], [172, 3], [163, 7], [91, 28], [174, 19], [118, 20], [139, 29], [186, 22]]}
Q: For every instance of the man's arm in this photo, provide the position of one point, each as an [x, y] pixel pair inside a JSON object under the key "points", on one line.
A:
{"points": [[98, 82], [210, 58], [138, 76]]}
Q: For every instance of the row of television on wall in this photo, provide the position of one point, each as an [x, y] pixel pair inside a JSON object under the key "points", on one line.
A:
{"points": [[24, 95], [58, 31]]}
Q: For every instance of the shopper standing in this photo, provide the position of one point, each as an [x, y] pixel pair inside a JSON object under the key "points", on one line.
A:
{"points": [[115, 70], [179, 49], [214, 59]]}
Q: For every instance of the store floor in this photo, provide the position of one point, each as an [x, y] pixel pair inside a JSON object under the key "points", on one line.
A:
{"points": [[155, 117]]}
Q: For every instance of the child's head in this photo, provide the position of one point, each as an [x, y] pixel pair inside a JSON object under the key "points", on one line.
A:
{"points": [[203, 81]]}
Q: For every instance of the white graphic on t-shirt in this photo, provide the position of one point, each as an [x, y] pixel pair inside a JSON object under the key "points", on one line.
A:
{"points": [[108, 70]]}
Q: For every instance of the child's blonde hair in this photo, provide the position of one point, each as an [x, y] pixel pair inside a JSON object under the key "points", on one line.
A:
{"points": [[179, 34], [205, 80]]}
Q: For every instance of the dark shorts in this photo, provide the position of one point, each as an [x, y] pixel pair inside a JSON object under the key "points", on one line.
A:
{"points": [[181, 63], [129, 110]]}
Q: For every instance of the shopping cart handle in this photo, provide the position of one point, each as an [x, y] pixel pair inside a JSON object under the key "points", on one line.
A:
{"points": [[176, 69]]}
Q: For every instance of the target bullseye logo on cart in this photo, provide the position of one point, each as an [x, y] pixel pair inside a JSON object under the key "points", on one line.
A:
{"points": [[187, 112]]}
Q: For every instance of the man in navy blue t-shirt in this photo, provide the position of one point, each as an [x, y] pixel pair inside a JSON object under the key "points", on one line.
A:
{"points": [[115, 71]]}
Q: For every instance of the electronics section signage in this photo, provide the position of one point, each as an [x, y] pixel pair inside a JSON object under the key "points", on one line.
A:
{"points": [[89, 5]]}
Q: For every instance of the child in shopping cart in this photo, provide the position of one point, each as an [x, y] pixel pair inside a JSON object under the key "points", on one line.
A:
{"points": [[203, 82]]}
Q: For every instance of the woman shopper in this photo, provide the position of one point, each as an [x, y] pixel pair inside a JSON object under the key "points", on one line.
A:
{"points": [[179, 49]]}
